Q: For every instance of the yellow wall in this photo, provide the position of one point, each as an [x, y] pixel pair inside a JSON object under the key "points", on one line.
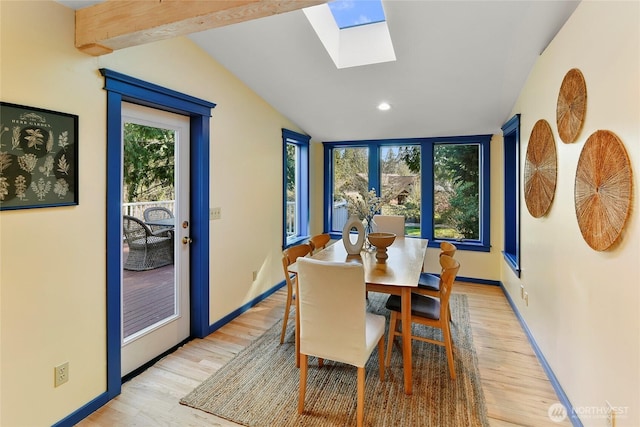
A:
{"points": [[583, 304], [52, 268]]}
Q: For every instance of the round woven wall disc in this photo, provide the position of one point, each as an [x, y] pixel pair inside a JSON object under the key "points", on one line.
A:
{"points": [[603, 189], [540, 169], [572, 105]]}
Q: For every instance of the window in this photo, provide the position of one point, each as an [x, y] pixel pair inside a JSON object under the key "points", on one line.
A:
{"points": [[354, 33], [349, 13], [511, 134], [350, 181], [295, 187], [440, 185], [456, 191], [400, 188]]}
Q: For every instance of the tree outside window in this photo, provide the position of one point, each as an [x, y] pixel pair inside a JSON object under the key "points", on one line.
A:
{"points": [[149, 163], [441, 185], [456, 191], [350, 181], [401, 186]]}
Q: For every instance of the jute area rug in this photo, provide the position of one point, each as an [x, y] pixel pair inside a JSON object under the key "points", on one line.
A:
{"points": [[259, 386]]}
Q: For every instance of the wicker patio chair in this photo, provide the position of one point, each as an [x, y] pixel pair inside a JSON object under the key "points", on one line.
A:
{"points": [[147, 250], [158, 213]]}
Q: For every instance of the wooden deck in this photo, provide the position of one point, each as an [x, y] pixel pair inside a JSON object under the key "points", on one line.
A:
{"points": [[148, 297], [516, 389]]}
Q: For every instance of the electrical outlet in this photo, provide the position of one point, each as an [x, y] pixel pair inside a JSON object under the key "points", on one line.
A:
{"points": [[61, 374], [215, 213], [526, 298], [521, 291], [255, 275]]}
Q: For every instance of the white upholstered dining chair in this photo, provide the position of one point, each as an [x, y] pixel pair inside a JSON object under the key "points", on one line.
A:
{"points": [[389, 224], [334, 322]]}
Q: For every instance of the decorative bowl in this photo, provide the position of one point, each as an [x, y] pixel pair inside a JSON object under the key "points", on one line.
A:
{"points": [[381, 241]]}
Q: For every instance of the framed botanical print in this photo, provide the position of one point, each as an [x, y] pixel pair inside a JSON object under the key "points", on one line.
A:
{"points": [[38, 157]]}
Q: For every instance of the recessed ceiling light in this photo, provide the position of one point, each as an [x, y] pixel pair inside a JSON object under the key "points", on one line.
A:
{"points": [[384, 106]]}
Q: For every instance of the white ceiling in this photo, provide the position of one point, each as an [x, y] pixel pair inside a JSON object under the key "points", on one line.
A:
{"points": [[460, 67]]}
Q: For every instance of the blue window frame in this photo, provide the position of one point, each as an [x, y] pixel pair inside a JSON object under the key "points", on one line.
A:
{"points": [[427, 146], [511, 135], [295, 188]]}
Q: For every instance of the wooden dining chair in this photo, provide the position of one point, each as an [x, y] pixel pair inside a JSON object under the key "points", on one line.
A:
{"points": [[289, 256], [389, 224], [334, 322], [429, 284], [319, 241], [428, 311]]}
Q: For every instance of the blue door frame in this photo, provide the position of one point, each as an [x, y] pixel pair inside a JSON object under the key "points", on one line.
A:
{"points": [[121, 88]]}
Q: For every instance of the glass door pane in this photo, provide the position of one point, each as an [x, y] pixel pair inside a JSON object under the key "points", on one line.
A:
{"points": [[155, 276], [149, 289]]}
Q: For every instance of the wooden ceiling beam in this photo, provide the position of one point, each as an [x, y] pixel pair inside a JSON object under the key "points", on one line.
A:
{"points": [[118, 24]]}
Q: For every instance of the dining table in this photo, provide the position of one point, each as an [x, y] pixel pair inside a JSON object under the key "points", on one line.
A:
{"points": [[164, 222], [397, 275]]}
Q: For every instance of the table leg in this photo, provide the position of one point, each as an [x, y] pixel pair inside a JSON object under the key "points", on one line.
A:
{"points": [[406, 339]]}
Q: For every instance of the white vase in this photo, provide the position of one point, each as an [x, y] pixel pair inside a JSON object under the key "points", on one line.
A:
{"points": [[353, 223]]}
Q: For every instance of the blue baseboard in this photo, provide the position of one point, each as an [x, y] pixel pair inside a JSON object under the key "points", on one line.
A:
{"points": [[84, 411], [102, 399], [562, 396], [479, 281], [237, 312]]}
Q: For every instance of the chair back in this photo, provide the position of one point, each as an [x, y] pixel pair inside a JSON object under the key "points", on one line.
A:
{"points": [[156, 213], [292, 253], [447, 248], [319, 241], [389, 224], [134, 229], [448, 275], [289, 256], [332, 307]]}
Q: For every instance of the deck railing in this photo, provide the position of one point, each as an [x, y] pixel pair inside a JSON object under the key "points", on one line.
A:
{"points": [[136, 209]]}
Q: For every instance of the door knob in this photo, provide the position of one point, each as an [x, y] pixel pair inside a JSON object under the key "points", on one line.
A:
{"points": [[186, 240]]}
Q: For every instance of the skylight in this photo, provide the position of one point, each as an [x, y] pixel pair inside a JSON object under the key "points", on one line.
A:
{"points": [[351, 43], [352, 13]]}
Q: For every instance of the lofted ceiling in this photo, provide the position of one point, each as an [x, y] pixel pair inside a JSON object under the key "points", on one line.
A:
{"points": [[459, 67]]}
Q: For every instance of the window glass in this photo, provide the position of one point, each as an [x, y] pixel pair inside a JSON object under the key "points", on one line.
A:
{"points": [[350, 181], [292, 211], [350, 13], [440, 185], [456, 190], [400, 188]]}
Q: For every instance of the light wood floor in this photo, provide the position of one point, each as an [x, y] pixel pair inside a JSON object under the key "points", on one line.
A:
{"points": [[516, 389]]}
